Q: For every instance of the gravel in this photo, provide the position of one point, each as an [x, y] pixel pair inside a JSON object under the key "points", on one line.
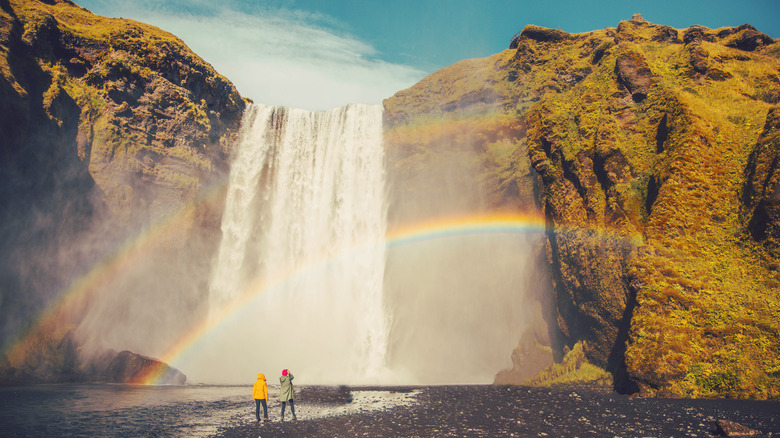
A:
{"points": [[511, 411]]}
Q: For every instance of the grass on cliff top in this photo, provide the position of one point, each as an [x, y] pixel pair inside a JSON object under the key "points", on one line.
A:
{"points": [[81, 22], [149, 44]]}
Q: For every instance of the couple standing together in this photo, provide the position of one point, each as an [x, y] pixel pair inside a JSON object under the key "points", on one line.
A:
{"points": [[260, 394]]}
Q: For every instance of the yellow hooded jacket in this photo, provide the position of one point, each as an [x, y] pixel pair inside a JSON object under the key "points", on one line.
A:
{"points": [[260, 390]]}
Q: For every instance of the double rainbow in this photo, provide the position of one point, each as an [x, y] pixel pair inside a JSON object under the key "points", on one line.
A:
{"points": [[491, 223], [83, 288]]}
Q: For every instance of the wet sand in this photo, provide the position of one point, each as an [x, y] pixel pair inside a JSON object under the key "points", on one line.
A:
{"points": [[490, 411]]}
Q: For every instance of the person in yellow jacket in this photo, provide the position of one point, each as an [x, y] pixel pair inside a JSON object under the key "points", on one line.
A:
{"points": [[260, 394]]}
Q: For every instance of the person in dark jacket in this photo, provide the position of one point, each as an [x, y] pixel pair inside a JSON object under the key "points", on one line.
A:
{"points": [[286, 393], [260, 394]]}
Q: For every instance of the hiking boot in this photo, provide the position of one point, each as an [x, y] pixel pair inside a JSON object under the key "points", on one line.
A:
{"points": [[294, 417]]}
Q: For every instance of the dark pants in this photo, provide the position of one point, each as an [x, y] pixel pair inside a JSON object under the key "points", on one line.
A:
{"points": [[292, 408], [258, 402]]}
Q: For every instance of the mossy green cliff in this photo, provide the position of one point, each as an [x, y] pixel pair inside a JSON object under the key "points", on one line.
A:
{"points": [[109, 127], [652, 154]]}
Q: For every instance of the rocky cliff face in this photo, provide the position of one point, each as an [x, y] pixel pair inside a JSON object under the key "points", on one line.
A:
{"points": [[110, 127], [651, 152]]}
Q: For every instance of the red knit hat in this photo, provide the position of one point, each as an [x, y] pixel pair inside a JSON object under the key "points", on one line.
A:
{"points": [[284, 372]]}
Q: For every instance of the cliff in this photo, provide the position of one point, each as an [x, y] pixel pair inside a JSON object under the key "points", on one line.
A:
{"points": [[651, 152], [110, 127]]}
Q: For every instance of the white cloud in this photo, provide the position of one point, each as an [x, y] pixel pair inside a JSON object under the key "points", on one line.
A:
{"points": [[281, 57]]}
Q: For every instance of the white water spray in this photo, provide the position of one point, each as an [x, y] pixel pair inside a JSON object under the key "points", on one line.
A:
{"points": [[302, 250]]}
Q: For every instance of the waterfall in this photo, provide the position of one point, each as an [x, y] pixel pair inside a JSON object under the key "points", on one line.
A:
{"points": [[302, 248]]}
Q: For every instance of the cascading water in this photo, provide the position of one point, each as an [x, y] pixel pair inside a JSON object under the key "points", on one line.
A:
{"points": [[302, 254]]}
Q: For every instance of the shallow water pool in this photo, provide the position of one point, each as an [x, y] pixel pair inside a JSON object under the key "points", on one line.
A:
{"points": [[165, 411]]}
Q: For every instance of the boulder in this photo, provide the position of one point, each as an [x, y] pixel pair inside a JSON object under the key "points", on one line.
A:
{"points": [[543, 34], [747, 38], [129, 367], [730, 428]]}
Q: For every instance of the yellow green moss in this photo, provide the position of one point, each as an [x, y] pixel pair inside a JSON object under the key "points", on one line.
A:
{"points": [[574, 368]]}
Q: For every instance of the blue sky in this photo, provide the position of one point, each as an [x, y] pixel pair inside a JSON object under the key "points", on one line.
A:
{"points": [[318, 54]]}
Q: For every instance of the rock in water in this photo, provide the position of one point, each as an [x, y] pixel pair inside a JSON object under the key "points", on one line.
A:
{"points": [[129, 367]]}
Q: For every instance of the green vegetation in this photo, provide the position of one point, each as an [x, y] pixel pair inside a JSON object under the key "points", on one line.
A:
{"points": [[574, 368]]}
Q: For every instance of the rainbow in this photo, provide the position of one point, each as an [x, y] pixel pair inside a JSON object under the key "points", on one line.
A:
{"points": [[80, 291], [489, 223], [495, 222], [439, 228]]}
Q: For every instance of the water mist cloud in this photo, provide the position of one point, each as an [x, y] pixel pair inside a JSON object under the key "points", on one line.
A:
{"points": [[277, 56]]}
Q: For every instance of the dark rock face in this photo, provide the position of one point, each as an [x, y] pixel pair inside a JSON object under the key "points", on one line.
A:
{"points": [[575, 192], [50, 359], [542, 34], [634, 74], [761, 194], [745, 37], [698, 56], [108, 127], [128, 367]]}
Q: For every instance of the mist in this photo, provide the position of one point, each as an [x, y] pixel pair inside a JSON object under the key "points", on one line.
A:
{"points": [[285, 263], [461, 302], [458, 305]]}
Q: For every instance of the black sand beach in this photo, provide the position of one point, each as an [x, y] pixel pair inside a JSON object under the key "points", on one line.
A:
{"points": [[490, 411]]}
